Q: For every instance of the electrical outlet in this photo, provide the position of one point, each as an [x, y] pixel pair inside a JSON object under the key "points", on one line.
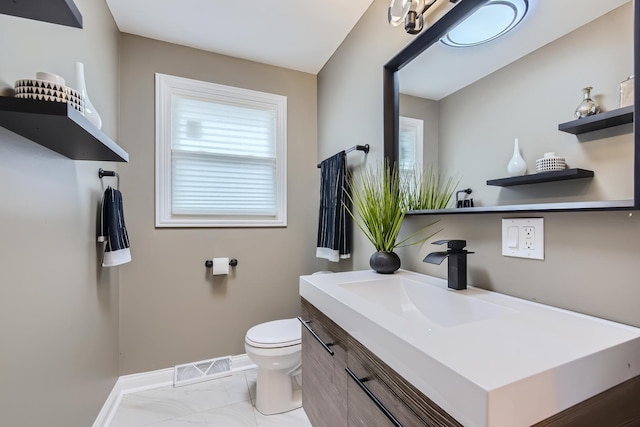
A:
{"points": [[529, 237], [523, 237]]}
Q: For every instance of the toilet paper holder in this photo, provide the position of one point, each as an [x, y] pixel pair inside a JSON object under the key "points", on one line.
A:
{"points": [[232, 262]]}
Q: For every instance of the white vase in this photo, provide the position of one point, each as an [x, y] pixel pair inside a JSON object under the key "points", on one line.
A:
{"points": [[517, 165], [89, 110]]}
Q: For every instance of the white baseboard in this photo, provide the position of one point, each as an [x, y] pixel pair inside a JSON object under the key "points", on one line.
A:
{"points": [[134, 383], [241, 362]]}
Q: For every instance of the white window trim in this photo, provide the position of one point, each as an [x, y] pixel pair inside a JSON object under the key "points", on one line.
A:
{"points": [[418, 126], [166, 86]]}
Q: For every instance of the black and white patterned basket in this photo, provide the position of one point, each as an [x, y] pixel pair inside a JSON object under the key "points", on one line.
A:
{"points": [[44, 90], [550, 162]]}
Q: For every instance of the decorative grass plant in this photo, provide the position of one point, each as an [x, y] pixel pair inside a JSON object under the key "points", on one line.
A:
{"points": [[378, 200], [428, 190]]}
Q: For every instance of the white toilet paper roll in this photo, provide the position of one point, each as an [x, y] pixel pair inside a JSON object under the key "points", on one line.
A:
{"points": [[220, 266]]}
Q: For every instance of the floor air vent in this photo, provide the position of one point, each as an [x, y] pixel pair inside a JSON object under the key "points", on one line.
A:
{"points": [[203, 370]]}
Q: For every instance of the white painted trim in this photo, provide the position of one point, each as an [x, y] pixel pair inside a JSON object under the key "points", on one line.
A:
{"points": [[108, 411], [168, 86], [130, 384], [241, 362], [416, 126], [134, 383]]}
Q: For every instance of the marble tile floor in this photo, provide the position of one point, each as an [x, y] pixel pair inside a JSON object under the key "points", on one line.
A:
{"points": [[222, 402]]}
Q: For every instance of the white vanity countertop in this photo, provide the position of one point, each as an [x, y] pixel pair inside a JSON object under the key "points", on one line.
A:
{"points": [[486, 358]]}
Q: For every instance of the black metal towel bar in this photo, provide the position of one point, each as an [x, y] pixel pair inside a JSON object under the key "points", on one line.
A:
{"points": [[364, 148], [102, 173]]}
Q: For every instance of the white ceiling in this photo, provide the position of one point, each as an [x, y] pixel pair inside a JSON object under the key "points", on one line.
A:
{"points": [[303, 34], [296, 34], [442, 70]]}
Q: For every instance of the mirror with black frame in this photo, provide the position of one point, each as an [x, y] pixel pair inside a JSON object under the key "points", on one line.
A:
{"points": [[458, 110]]}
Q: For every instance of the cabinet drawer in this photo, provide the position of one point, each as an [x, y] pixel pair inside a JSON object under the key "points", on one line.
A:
{"points": [[408, 405], [324, 393], [372, 403]]}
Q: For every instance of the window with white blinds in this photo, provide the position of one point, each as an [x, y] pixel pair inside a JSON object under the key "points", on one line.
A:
{"points": [[220, 154], [410, 142]]}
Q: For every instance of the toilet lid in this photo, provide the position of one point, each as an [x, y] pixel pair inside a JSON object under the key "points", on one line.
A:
{"points": [[277, 333]]}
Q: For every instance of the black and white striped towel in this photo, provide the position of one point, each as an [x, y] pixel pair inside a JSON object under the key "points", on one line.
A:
{"points": [[334, 224], [114, 232]]}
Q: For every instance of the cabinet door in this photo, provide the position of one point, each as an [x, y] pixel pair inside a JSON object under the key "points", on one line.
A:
{"points": [[324, 380], [405, 404], [363, 409]]}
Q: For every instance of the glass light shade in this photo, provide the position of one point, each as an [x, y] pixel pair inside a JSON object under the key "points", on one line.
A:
{"points": [[491, 21], [398, 10]]}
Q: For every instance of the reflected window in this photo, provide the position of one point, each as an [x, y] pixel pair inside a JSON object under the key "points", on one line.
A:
{"points": [[410, 158]]}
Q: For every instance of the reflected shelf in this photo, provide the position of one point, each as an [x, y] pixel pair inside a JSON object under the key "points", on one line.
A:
{"points": [[533, 207], [540, 177], [617, 117]]}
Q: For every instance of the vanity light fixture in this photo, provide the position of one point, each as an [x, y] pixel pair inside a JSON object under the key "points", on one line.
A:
{"points": [[492, 20], [412, 13]]}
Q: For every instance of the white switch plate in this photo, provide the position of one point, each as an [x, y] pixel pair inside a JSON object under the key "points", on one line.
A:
{"points": [[523, 237]]}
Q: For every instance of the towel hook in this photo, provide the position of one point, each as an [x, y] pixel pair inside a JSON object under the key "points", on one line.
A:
{"points": [[102, 173]]}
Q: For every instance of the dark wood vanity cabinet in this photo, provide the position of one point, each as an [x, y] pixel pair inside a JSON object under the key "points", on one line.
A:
{"points": [[324, 380], [363, 411], [332, 397], [398, 398]]}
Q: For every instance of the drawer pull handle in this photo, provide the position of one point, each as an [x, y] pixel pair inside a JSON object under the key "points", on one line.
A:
{"points": [[379, 404], [326, 346]]}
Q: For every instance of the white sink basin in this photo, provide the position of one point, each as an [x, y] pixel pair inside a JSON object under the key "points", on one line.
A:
{"points": [[488, 359], [423, 302]]}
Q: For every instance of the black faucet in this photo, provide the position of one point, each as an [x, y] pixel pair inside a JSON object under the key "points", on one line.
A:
{"points": [[457, 274]]}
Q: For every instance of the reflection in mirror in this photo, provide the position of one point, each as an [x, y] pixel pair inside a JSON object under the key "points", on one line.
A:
{"points": [[411, 142], [474, 102]]}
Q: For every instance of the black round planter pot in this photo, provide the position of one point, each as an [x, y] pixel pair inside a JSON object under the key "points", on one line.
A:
{"points": [[384, 262]]}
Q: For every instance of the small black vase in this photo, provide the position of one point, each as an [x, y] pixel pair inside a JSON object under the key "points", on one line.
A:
{"points": [[384, 262]]}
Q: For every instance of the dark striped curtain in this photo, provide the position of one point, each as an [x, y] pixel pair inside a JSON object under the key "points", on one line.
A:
{"points": [[334, 224]]}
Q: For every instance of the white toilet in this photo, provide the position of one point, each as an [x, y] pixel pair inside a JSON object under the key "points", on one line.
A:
{"points": [[275, 347]]}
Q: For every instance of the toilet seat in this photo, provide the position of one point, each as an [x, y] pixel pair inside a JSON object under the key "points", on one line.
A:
{"points": [[275, 334]]}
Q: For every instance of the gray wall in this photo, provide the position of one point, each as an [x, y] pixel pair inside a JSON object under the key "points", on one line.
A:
{"points": [[172, 312], [58, 307], [590, 257], [350, 101]]}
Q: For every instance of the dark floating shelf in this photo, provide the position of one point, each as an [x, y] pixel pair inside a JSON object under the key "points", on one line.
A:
{"points": [[63, 12], [541, 177], [605, 120], [59, 127]]}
